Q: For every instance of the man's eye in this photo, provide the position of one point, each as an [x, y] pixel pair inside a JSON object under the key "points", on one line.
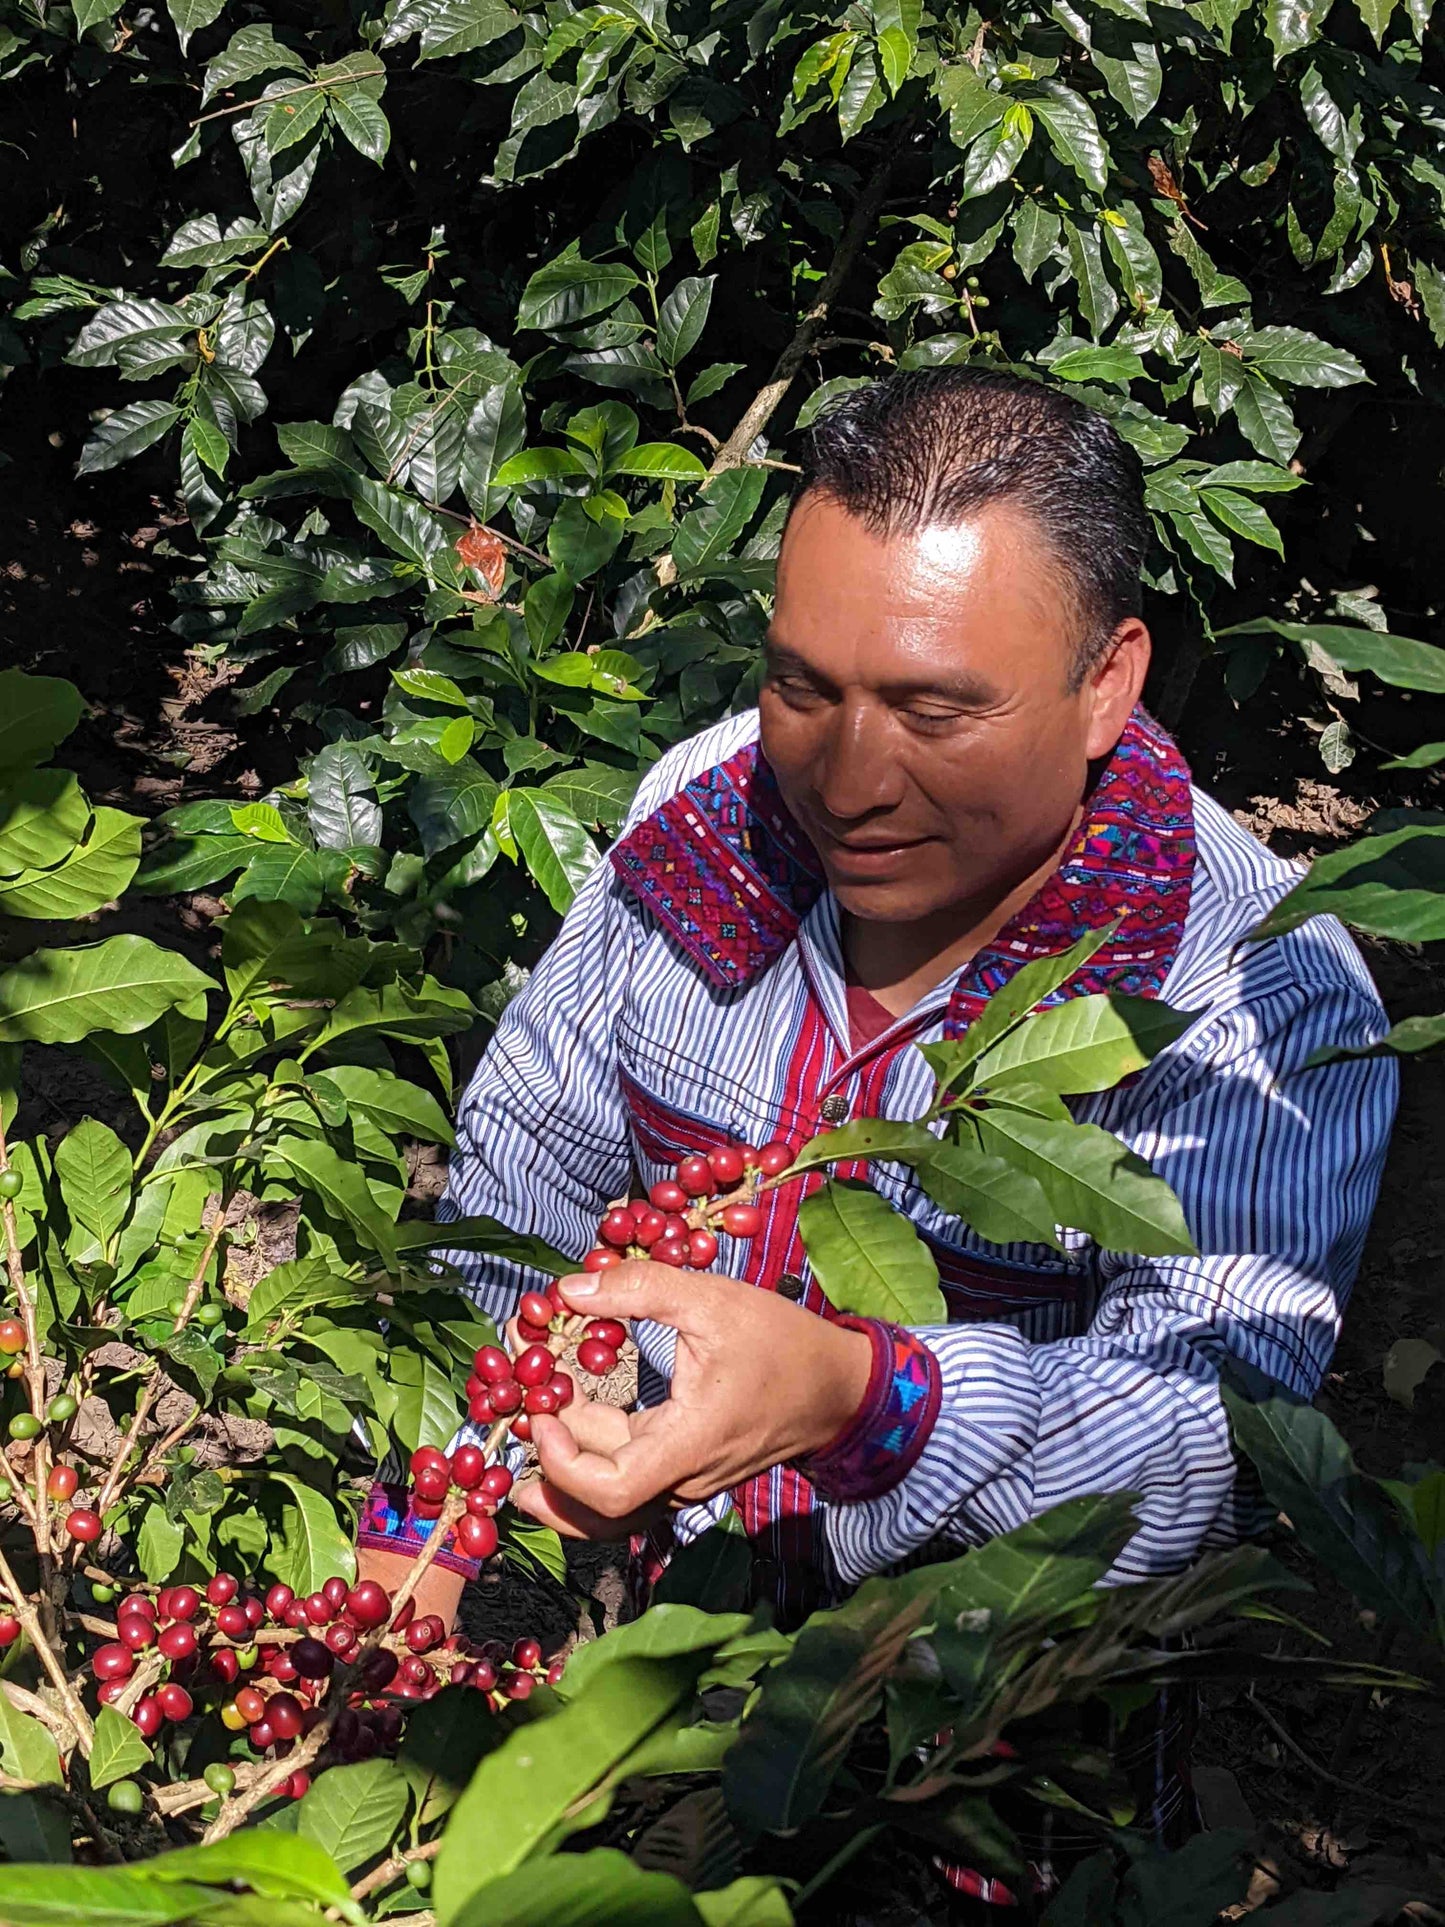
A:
{"points": [[930, 718]]}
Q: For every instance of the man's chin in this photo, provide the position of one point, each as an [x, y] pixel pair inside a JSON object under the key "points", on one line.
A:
{"points": [[887, 899]]}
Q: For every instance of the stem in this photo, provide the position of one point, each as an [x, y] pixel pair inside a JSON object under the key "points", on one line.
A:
{"points": [[1406, 1812], [392, 1869], [25, 1612], [39, 1513], [275, 248], [845, 1853], [288, 93], [734, 451]]}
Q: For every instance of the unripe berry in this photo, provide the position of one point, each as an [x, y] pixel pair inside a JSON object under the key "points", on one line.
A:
{"points": [[418, 1876], [432, 1482], [368, 1604], [11, 1184], [469, 1463], [125, 1797], [278, 1598], [62, 1409], [618, 1227], [113, 1661], [148, 1716], [536, 1309], [62, 1482], [668, 1195], [496, 1482], [611, 1331], [476, 1538], [175, 1702], [492, 1365], [694, 1174], [701, 1248], [774, 1158], [231, 1620], [220, 1778], [602, 1259], [25, 1425], [83, 1525], [726, 1166], [222, 1588], [742, 1220], [535, 1366], [232, 1718]]}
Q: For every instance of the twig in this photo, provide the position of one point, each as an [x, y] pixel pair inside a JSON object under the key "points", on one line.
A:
{"points": [[287, 93], [38, 1514], [185, 1794], [759, 412], [392, 1869], [1382, 1800], [24, 1701], [29, 1619]]}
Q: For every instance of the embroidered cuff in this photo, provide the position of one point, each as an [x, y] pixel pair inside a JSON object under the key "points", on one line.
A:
{"points": [[389, 1525], [880, 1445]]}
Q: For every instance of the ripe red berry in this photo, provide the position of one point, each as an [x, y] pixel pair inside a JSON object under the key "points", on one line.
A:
{"points": [[110, 1691], [251, 1701], [368, 1604], [496, 1482], [726, 1165], [10, 1629], [519, 1686], [527, 1653], [225, 1665], [296, 1617], [536, 1309], [535, 1366], [432, 1482], [283, 1710], [178, 1641], [555, 1671], [484, 1675], [492, 1365], [425, 1633], [480, 1411], [175, 1702], [668, 1196], [427, 1508], [618, 1227], [113, 1661], [602, 1259], [742, 1220], [701, 1248], [562, 1391], [136, 1631], [340, 1638], [610, 1330], [83, 1525], [694, 1175], [299, 1785], [184, 1603], [522, 1428], [280, 1666], [773, 1158], [148, 1716], [676, 1227], [424, 1456], [62, 1482], [378, 1670], [403, 1616], [669, 1251], [334, 1592], [595, 1357], [255, 1611], [480, 1505], [468, 1465], [138, 1602], [222, 1588], [262, 1736], [318, 1609], [163, 1602], [539, 1399], [231, 1620], [530, 1334], [476, 1537], [311, 1659], [278, 1598], [651, 1223]]}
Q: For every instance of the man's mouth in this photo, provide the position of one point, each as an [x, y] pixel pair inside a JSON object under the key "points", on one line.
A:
{"points": [[868, 856]]}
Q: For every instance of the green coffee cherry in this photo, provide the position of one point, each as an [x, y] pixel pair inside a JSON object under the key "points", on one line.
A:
{"points": [[102, 1595], [61, 1410], [25, 1425], [247, 1657], [11, 1184], [176, 1306], [210, 1313], [125, 1797], [418, 1875], [220, 1778], [6, 1492]]}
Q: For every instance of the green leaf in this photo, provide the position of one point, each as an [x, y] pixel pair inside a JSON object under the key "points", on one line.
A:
{"points": [[707, 533], [93, 874], [341, 804], [340, 1188], [1291, 355], [312, 1544], [601, 1888], [36, 713], [1097, 364], [1009, 1006], [36, 1896], [661, 462], [867, 1258], [27, 1750], [450, 27], [290, 121], [127, 433], [1292, 24], [1241, 516], [353, 1812], [1394, 659], [579, 546], [1391, 885], [484, 1234], [539, 465], [43, 815], [159, 1545], [665, 1631], [121, 985], [1098, 302], [1095, 1183], [427, 1410], [1072, 130], [543, 1771], [1086, 1044], [1347, 1520], [191, 15], [595, 793], [1426, 757], [119, 1749], [1265, 418], [94, 1170], [555, 847], [682, 318], [547, 605], [362, 122], [570, 289], [390, 1101]]}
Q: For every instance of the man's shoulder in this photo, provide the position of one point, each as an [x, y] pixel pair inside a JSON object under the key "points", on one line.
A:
{"points": [[690, 758]]}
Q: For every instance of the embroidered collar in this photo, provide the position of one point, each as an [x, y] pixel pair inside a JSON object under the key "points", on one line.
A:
{"points": [[725, 869]]}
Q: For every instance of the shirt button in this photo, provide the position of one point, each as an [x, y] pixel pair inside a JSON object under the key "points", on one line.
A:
{"points": [[790, 1285], [834, 1109]]}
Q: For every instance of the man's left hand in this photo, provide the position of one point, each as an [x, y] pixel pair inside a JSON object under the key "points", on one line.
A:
{"points": [[756, 1381]]}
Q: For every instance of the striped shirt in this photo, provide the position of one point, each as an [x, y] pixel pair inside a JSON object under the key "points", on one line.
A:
{"points": [[696, 996]]}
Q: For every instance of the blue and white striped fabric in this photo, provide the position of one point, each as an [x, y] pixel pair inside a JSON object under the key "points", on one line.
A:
{"points": [[1105, 1376]]}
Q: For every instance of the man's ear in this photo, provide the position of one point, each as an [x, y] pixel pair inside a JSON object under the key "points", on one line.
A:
{"points": [[1114, 684]]}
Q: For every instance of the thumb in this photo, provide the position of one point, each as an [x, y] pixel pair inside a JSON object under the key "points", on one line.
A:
{"points": [[638, 1289]]}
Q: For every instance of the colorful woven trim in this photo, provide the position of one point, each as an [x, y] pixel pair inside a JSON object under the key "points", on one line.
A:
{"points": [[881, 1444], [389, 1525], [725, 869]]}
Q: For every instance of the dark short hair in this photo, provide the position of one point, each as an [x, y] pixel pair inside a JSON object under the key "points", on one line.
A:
{"points": [[930, 446]]}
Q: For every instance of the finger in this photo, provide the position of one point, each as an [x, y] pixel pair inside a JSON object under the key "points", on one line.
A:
{"points": [[686, 1300], [566, 1516], [595, 1426], [631, 1478]]}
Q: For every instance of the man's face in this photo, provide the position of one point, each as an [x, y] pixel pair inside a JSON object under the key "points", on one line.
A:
{"points": [[917, 708]]}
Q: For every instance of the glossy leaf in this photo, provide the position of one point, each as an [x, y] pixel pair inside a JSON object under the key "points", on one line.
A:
{"points": [[353, 1812], [1093, 1181], [866, 1258], [123, 984], [119, 1750], [93, 874], [1391, 885], [1086, 1044]]}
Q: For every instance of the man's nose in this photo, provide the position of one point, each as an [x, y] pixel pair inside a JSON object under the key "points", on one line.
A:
{"points": [[858, 772]]}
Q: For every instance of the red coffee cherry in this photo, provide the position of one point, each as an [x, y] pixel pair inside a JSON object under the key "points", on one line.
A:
{"points": [[425, 1633], [225, 1665], [618, 1227], [669, 1251], [283, 1711], [113, 1661], [427, 1508], [432, 1482], [496, 1482], [138, 1602], [701, 1248], [555, 1671], [480, 1411], [610, 1330], [527, 1653], [595, 1357], [12, 1335], [251, 1701], [773, 1158], [83, 1525], [175, 1702], [651, 1223], [136, 1631], [178, 1641], [427, 1455], [480, 1506], [492, 1365], [742, 1220], [279, 1665], [676, 1227], [694, 1174], [484, 1676], [299, 1785], [222, 1588], [522, 1428], [536, 1309], [232, 1621], [334, 1592], [669, 1196], [296, 1617], [278, 1598], [530, 1334], [535, 1366], [477, 1538], [10, 1629], [340, 1638], [378, 1670], [318, 1609], [726, 1166], [602, 1259], [255, 1611], [262, 1736], [62, 1482], [110, 1691], [404, 1615], [540, 1399], [561, 1389], [148, 1716], [368, 1604], [468, 1465], [519, 1686], [311, 1659], [184, 1603]]}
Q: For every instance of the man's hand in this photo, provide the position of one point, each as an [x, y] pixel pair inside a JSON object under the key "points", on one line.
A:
{"points": [[757, 1381]]}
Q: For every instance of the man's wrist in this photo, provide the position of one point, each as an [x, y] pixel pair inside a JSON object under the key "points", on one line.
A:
{"points": [[891, 1424], [841, 1387]]}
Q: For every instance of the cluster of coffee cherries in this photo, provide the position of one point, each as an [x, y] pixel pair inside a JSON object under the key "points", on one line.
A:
{"points": [[435, 1476], [678, 1221]]}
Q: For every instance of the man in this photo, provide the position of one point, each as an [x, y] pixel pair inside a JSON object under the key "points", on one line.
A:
{"points": [[948, 774]]}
